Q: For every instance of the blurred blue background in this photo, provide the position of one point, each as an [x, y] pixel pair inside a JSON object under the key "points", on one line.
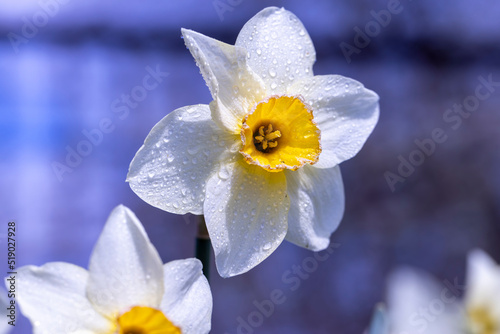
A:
{"points": [[63, 78]]}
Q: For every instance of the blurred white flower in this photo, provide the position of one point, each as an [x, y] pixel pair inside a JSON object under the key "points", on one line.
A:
{"points": [[261, 161], [125, 290], [417, 303], [482, 299]]}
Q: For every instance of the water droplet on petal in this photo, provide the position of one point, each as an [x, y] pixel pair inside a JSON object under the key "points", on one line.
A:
{"points": [[223, 173], [193, 150]]}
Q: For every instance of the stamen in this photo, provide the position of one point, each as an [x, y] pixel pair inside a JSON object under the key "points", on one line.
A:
{"points": [[261, 131], [266, 139]]}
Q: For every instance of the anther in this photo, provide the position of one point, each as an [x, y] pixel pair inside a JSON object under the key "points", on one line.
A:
{"points": [[265, 139]]}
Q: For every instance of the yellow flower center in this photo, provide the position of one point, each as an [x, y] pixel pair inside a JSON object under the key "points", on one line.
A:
{"points": [[145, 320], [483, 322], [279, 134]]}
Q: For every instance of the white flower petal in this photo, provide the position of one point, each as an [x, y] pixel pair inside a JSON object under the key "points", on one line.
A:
{"points": [[170, 170], [125, 269], [246, 211], [279, 48], [234, 87], [187, 301], [483, 282], [412, 297], [345, 112], [53, 298], [316, 205]]}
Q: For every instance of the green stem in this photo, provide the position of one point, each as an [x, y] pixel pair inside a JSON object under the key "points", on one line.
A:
{"points": [[203, 247]]}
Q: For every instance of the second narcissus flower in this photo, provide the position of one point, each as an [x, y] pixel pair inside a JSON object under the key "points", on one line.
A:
{"points": [[125, 290], [261, 161], [418, 304]]}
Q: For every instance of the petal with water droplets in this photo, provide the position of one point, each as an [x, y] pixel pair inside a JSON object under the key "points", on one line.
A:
{"points": [[345, 112], [234, 86], [125, 269], [187, 301], [316, 205], [279, 48], [246, 210], [171, 168]]}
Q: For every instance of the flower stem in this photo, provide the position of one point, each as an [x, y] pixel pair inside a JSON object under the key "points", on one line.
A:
{"points": [[203, 247]]}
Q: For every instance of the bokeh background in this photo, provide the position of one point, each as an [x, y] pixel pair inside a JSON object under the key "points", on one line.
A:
{"points": [[63, 80]]}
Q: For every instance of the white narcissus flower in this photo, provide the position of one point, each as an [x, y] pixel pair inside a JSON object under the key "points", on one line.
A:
{"points": [[125, 290], [419, 304], [482, 299], [261, 161]]}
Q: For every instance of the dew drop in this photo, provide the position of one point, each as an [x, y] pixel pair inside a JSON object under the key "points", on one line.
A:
{"points": [[193, 150], [272, 73], [223, 173]]}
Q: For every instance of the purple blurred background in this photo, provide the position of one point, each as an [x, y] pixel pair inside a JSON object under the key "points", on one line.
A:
{"points": [[64, 77]]}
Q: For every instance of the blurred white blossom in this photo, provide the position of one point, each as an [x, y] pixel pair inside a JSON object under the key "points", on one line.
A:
{"points": [[419, 304]]}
